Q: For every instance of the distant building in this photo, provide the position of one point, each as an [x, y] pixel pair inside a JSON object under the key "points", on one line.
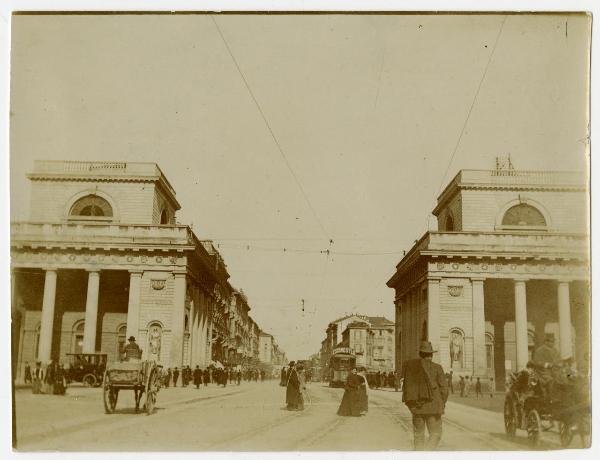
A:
{"points": [[371, 338], [508, 265]]}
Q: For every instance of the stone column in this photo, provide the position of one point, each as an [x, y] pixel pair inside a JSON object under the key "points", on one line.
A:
{"points": [[91, 312], [133, 306], [192, 326], [47, 325], [177, 320], [564, 320], [433, 315], [479, 355], [521, 324]]}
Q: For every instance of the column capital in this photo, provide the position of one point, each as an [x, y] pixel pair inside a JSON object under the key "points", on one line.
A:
{"points": [[50, 269], [179, 274], [564, 280], [478, 278], [93, 270], [520, 280], [136, 272], [434, 278]]}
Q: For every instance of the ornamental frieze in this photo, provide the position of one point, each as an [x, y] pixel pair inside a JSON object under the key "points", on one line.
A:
{"points": [[21, 257], [501, 270]]}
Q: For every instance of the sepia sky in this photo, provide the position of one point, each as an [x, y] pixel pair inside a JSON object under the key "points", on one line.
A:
{"points": [[367, 110]]}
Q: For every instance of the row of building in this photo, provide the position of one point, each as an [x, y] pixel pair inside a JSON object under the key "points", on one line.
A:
{"points": [[102, 258]]}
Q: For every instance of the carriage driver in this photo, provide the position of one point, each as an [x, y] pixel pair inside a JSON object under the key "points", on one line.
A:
{"points": [[132, 350], [544, 359]]}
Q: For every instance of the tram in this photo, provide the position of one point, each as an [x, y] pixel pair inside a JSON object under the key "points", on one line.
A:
{"points": [[340, 364]]}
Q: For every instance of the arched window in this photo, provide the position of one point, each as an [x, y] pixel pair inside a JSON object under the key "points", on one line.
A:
{"points": [[91, 206], [164, 217], [489, 351], [121, 339], [449, 223], [523, 215], [457, 348], [77, 341]]}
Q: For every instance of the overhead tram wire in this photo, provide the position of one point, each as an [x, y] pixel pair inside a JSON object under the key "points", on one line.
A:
{"points": [[464, 126], [262, 114]]}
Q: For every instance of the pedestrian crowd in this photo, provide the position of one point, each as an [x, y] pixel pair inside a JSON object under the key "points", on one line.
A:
{"points": [[49, 379], [468, 385], [211, 374]]}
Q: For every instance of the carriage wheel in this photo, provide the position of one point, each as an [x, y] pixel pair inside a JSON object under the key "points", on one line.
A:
{"points": [[150, 401], [510, 417], [534, 427], [566, 433], [151, 391], [110, 398], [89, 380]]}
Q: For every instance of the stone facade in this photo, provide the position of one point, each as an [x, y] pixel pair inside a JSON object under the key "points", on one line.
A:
{"points": [[102, 258], [508, 265]]}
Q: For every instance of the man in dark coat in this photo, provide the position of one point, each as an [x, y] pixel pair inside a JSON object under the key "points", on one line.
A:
{"points": [[425, 393], [544, 358], [27, 378], [132, 350], [175, 376], [293, 397], [206, 376], [197, 377]]}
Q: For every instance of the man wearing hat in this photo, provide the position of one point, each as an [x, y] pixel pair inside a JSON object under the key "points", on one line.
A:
{"points": [[425, 392], [132, 350], [544, 358]]}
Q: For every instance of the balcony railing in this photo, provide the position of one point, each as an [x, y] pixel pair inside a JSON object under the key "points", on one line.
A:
{"points": [[94, 233], [520, 177]]}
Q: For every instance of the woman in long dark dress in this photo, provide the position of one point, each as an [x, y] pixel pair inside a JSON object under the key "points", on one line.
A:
{"points": [[350, 405], [293, 395]]}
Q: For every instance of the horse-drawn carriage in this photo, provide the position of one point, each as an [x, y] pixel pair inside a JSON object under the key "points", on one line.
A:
{"points": [[143, 377], [534, 405]]}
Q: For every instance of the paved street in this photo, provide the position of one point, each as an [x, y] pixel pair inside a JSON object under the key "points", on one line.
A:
{"points": [[249, 417]]}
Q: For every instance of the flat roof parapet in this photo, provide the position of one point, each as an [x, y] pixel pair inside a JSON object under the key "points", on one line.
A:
{"points": [[101, 170]]}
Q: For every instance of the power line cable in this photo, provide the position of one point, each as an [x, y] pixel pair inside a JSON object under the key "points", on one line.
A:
{"points": [[464, 126], [279, 148]]}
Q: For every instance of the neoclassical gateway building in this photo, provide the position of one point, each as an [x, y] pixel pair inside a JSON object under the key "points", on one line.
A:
{"points": [[102, 258], [508, 265]]}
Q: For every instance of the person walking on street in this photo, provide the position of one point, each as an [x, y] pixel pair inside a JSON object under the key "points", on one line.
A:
{"points": [[168, 378], [175, 376], [425, 394], [37, 377], [450, 384], [468, 386], [293, 393], [205, 377], [491, 384], [27, 377], [197, 377], [478, 388]]}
